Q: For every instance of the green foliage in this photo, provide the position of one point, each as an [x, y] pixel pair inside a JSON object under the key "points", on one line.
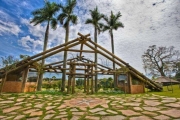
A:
{"points": [[112, 22], [80, 84], [8, 62], [106, 83], [52, 85], [23, 56], [67, 14], [45, 14], [95, 18], [177, 76]]}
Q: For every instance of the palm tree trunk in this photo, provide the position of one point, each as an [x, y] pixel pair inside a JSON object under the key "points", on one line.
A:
{"points": [[43, 60], [96, 76], [112, 44], [65, 59]]}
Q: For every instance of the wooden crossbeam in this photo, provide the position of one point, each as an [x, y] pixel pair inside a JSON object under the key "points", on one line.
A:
{"points": [[81, 64], [66, 46], [98, 64], [86, 51]]}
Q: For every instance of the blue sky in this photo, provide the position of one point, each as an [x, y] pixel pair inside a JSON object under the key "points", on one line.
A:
{"points": [[147, 22]]}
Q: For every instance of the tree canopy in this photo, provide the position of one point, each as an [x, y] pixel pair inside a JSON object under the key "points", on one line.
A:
{"points": [[160, 61]]}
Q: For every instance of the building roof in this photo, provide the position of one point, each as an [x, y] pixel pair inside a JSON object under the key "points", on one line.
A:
{"points": [[163, 79]]}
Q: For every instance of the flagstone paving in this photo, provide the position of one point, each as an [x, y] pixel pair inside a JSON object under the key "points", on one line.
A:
{"points": [[88, 107]]}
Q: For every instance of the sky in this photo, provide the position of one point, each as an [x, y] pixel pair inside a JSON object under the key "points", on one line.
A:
{"points": [[146, 22]]}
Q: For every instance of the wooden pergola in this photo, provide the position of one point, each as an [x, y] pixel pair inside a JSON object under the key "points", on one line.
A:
{"points": [[80, 63]]}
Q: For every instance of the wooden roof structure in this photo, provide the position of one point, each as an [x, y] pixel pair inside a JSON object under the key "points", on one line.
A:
{"points": [[82, 40], [164, 79]]}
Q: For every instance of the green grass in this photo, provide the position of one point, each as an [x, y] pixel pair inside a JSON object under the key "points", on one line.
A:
{"points": [[165, 92]]}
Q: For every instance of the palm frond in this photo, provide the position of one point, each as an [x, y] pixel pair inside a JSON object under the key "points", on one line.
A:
{"points": [[89, 21], [106, 27], [112, 22], [37, 20], [73, 19], [62, 17], [44, 14], [117, 25], [54, 23]]}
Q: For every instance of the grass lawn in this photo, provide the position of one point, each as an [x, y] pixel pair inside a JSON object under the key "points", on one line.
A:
{"points": [[165, 92]]}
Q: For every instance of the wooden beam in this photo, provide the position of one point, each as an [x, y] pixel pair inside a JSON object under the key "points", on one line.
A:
{"points": [[98, 64], [81, 50], [92, 90], [59, 62], [24, 77], [47, 55], [79, 74], [81, 64], [74, 50], [2, 82], [52, 49], [110, 58], [73, 78], [130, 67]]}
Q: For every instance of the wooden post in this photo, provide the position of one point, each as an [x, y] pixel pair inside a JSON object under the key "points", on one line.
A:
{"points": [[130, 81], [73, 79], [3, 81], [92, 90], [85, 81], [24, 77], [88, 84], [69, 84]]}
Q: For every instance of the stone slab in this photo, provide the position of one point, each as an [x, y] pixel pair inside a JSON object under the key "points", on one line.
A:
{"points": [[162, 117], [96, 110], [36, 113], [151, 108], [7, 110], [102, 113], [149, 113], [116, 117], [137, 108], [111, 111], [171, 112], [132, 104], [92, 118], [48, 117], [151, 103], [19, 117], [140, 118], [129, 112]]}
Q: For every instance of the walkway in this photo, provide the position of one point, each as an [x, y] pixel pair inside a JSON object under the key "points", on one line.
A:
{"points": [[133, 107]]}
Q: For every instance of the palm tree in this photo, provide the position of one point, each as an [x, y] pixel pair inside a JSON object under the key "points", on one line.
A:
{"points": [[113, 23], [65, 18], [95, 18], [45, 14]]}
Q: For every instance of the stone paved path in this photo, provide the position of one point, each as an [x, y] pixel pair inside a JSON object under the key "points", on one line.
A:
{"points": [[90, 107]]}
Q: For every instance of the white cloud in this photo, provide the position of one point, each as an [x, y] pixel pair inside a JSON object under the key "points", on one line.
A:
{"points": [[30, 44], [9, 28], [144, 23]]}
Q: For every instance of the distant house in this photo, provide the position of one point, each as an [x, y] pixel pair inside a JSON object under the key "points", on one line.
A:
{"points": [[166, 81]]}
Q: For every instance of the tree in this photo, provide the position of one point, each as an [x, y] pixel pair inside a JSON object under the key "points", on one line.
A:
{"points": [[177, 75], [23, 57], [112, 23], [53, 78], [95, 18], [159, 61], [8, 63], [45, 14], [65, 18]]}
